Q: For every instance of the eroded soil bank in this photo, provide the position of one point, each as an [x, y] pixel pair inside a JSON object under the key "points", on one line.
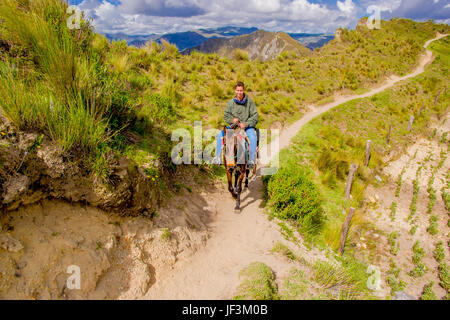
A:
{"points": [[119, 257]]}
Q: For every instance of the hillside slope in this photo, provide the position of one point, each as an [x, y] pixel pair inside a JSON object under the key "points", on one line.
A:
{"points": [[169, 257], [109, 113], [260, 45], [213, 272]]}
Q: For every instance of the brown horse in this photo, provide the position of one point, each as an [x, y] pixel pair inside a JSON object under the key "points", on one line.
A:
{"points": [[235, 161]]}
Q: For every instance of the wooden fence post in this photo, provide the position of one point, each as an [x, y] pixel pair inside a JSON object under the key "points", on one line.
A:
{"points": [[437, 97], [351, 174], [368, 147], [344, 233], [411, 120], [388, 139], [421, 108]]}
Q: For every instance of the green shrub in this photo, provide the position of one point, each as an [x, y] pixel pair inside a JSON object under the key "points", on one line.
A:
{"points": [[433, 229], [393, 210], [446, 199], [399, 183], [419, 268], [294, 196], [439, 252], [428, 293], [395, 285], [444, 276], [393, 243]]}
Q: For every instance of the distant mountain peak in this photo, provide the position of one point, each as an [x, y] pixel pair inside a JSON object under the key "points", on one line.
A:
{"points": [[260, 45]]}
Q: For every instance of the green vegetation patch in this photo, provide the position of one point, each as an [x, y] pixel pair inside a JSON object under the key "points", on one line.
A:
{"points": [[258, 283], [294, 196]]}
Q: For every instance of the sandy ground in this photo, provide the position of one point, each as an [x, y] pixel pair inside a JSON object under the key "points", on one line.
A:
{"points": [[136, 258]]}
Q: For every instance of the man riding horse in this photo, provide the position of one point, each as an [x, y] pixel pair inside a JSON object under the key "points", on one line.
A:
{"points": [[240, 110]]}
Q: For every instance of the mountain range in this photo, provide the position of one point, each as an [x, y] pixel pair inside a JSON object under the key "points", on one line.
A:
{"points": [[195, 38]]}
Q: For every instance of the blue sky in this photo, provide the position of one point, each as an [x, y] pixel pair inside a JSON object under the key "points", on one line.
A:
{"points": [[160, 16]]}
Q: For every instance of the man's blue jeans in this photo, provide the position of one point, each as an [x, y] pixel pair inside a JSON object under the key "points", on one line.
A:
{"points": [[251, 133]]}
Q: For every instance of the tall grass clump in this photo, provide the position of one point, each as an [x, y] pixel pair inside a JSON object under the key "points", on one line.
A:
{"points": [[344, 282], [39, 27], [294, 196], [240, 55], [169, 49], [258, 283], [55, 90]]}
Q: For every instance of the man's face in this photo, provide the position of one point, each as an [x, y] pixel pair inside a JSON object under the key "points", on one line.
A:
{"points": [[239, 93]]}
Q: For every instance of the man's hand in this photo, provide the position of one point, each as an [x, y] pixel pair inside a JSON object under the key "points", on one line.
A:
{"points": [[235, 120], [243, 125]]}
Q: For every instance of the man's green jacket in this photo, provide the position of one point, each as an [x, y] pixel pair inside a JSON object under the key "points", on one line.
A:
{"points": [[246, 113]]}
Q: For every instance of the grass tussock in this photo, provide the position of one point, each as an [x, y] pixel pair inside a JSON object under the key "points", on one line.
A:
{"points": [[345, 279], [258, 283]]}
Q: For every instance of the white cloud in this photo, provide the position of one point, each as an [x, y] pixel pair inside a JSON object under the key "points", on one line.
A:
{"points": [[347, 6], [264, 5], [384, 5], [160, 16]]}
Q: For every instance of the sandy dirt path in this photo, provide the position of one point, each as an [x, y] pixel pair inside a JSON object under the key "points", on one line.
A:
{"points": [[238, 240]]}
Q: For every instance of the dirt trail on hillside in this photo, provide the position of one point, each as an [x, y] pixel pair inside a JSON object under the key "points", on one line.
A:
{"points": [[290, 132], [238, 240]]}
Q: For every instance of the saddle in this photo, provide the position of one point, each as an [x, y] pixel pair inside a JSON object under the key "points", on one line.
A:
{"points": [[236, 140]]}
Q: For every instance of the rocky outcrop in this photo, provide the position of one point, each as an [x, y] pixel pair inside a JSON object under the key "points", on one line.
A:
{"points": [[35, 168]]}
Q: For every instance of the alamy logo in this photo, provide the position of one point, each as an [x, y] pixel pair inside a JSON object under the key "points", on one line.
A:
{"points": [[374, 21], [74, 281], [182, 151], [374, 281], [74, 20]]}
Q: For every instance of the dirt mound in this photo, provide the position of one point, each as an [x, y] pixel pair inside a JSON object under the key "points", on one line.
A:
{"points": [[118, 257]]}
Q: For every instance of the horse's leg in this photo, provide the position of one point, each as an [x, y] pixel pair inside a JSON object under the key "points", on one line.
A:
{"points": [[246, 177], [236, 179], [230, 182], [237, 209]]}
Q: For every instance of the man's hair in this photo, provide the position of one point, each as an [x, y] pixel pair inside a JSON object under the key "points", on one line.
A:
{"points": [[239, 84]]}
